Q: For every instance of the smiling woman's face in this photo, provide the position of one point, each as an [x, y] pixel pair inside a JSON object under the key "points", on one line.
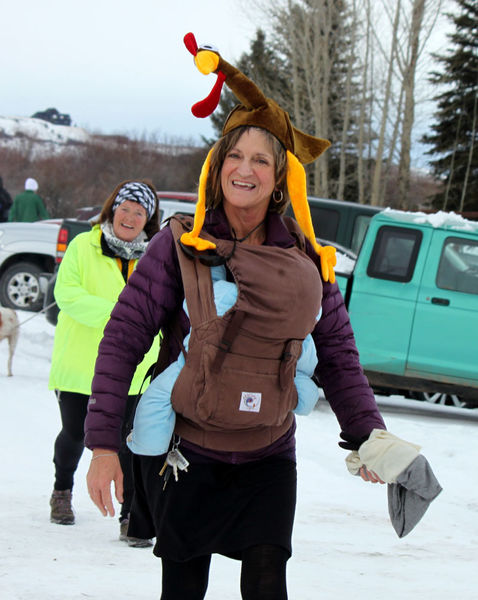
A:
{"points": [[248, 173], [129, 220]]}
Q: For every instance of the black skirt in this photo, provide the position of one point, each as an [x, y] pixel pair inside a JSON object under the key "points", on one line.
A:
{"points": [[214, 507]]}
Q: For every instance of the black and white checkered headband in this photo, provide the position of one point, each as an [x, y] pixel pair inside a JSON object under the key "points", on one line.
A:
{"points": [[136, 192]]}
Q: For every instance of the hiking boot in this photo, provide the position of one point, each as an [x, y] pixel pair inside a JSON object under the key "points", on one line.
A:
{"points": [[124, 530], [61, 511], [133, 542]]}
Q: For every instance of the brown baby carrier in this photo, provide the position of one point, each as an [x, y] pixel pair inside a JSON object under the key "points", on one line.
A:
{"points": [[236, 390]]}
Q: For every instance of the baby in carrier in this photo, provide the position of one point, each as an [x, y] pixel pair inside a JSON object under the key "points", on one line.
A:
{"points": [[155, 418]]}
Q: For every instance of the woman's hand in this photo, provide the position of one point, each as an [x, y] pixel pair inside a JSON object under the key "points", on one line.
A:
{"points": [[367, 475], [105, 468]]}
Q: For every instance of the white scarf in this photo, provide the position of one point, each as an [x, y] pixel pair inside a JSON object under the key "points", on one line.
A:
{"points": [[129, 250]]}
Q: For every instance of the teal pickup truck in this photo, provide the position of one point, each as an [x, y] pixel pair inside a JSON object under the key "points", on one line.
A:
{"points": [[412, 296]]}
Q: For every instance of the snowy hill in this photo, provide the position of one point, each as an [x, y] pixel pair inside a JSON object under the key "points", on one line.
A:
{"points": [[37, 138], [40, 136]]}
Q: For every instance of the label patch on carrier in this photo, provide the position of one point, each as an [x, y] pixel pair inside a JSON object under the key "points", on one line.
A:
{"points": [[250, 401]]}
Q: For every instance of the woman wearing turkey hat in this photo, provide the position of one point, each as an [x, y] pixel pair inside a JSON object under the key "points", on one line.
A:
{"points": [[237, 496]]}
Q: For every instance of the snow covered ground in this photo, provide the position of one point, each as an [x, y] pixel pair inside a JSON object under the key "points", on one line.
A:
{"points": [[344, 544]]}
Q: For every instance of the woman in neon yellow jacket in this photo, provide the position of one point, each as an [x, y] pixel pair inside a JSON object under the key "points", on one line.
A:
{"points": [[91, 276]]}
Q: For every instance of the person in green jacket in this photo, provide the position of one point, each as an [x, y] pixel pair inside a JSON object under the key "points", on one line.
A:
{"points": [[28, 206], [91, 276]]}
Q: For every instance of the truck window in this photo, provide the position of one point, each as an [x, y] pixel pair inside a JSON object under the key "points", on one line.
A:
{"points": [[458, 268], [361, 223], [326, 222], [394, 253]]}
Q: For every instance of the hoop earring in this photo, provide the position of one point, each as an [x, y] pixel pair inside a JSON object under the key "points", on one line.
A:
{"points": [[277, 196]]}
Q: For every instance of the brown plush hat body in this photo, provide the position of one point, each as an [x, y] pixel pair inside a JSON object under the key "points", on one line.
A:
{"points": [[256, 110]]}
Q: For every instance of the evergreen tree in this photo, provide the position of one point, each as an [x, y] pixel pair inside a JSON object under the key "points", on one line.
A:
{"points": [[455, 134]]}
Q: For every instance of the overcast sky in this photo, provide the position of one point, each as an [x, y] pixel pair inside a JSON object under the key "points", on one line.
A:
{"points": [[115, 66], [120, 66]]}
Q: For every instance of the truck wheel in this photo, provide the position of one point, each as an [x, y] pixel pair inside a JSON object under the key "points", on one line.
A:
{"points": [[445, 399], [20, 287]]}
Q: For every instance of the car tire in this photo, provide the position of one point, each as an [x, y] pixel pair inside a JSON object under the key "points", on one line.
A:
{"points": [[444, 399], [20, 287]]}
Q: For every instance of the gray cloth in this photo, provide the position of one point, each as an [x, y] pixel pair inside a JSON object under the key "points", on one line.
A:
{"points": [[411, 495]]}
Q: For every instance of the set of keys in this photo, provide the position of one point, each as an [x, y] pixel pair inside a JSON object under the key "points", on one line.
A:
{"points": [[174, 463]]}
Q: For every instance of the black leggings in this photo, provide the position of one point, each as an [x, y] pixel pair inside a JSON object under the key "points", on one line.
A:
{"points": [[69, 445], [263, 575]]}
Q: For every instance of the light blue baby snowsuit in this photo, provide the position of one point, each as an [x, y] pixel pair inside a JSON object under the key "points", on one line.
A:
{"points": [[155, 418]]}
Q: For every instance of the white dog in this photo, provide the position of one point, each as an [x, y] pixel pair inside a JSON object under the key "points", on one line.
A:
{"points": [[9, 329]]}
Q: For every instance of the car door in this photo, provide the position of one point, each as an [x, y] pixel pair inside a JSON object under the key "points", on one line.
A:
{"points": [[444, 340], [383, 300]]}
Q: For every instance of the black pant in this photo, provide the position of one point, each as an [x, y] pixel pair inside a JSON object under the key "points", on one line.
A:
{"points": [[69, 444], [263, 575]]}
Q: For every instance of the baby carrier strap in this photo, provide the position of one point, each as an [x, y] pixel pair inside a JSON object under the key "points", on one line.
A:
{"points": [[199, 294], [196, 276], [230, 332], [295, 231]]}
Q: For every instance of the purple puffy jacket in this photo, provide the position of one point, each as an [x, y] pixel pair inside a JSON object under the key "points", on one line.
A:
{"points": [[154, 294]]}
